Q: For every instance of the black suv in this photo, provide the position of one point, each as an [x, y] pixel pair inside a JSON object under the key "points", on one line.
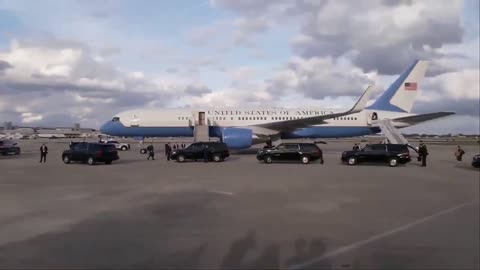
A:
{"points": [[304, 152], [392, 154], [217, 151], [9, 147], [476, 161], [90, 153]]}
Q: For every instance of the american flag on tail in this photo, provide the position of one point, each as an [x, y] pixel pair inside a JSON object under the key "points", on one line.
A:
{"points": [[410, 86]]}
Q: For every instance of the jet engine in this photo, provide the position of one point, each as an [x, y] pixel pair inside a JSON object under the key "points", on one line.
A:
{"points": [[237, 138]]}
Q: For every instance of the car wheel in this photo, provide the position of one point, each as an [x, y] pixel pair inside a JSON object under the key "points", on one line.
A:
{"points": [[180, 158], [143, 151], [393, 162], [305, 160], [268, 159], [91, 161], [124, 148], [108, 162], [217, 158], [66, 160], [352, 161]]}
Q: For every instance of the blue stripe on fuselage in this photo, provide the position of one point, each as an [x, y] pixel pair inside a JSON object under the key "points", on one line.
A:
{"points": [[330, 132], [118, 129]]}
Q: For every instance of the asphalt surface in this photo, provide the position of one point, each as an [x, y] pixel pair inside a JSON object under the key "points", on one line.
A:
{"points": [[239, 213]]}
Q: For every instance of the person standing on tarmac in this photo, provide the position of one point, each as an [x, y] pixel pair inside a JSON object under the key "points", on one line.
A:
{"points": [[151, 153], [423, 153], [321, 157], [356, 147], [43, 153], [459, 153], [168, 151]]}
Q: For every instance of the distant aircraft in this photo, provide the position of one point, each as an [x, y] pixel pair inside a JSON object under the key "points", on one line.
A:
{"points": [[240, 128]]}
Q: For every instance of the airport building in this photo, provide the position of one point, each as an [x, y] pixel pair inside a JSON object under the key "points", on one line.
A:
{"points": [[15, 132]]}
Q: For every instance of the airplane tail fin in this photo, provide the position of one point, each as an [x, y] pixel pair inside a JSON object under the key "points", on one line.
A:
{"points": [[401, 94]]}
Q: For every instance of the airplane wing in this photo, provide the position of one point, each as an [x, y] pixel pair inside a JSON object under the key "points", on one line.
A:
{"points": [[289, 125], [415, 119]]}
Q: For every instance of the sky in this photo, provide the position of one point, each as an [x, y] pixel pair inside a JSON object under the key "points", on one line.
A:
{"points": [[83, 61]]}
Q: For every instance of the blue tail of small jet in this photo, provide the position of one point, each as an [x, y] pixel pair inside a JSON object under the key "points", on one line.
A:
{"points": [[401, 94]]}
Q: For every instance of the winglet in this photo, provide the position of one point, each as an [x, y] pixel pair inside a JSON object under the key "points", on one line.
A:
{"points": [[362, 101]]}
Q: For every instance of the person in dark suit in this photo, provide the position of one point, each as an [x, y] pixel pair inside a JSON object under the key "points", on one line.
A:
{"points": [[356, 147], [151, 152], [423, 153], [168, 151], [43, 153]]}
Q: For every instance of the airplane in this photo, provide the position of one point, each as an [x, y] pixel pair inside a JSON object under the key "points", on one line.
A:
{"points": [[242, 128]]}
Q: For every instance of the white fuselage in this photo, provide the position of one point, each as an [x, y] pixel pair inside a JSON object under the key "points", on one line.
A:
{"points": [[244, 118]]}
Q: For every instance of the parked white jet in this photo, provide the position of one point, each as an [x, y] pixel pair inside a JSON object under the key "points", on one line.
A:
{"points": [[240, 128]]}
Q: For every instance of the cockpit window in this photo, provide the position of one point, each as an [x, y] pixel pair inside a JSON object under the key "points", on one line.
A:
{"points": [[115, 119]]}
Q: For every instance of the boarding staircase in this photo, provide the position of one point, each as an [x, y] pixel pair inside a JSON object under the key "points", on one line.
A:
{"points": [[200, 133], [393, 134]]}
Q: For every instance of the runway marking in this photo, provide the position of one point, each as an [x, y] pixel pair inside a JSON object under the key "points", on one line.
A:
{"points": [[221, 192], [380, 236]]}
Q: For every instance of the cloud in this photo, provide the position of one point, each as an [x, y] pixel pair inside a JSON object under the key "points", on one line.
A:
{"points": [[197, 90], [4, 65], [318, 78], [386, 38], [62, 77], [245, 29], [454, 91], [110, 51], [29, 117], [251, 7]]}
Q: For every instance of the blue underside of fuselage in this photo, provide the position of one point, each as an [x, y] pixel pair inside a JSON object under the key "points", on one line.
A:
{"points": [[118, 129]]}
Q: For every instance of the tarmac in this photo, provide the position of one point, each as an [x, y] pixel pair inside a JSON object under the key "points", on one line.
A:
{"points": [[238, 214]]}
